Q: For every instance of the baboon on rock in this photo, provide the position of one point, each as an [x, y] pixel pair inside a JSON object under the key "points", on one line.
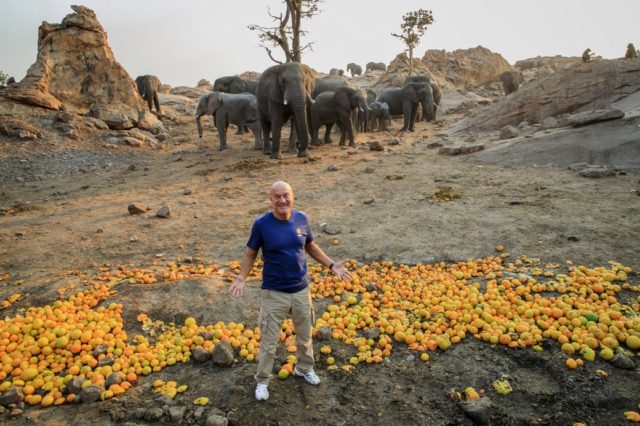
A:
{"points": [[631, 52]]}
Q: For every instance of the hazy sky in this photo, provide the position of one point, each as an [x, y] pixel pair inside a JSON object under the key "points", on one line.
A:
{"points": [[184, 41]]}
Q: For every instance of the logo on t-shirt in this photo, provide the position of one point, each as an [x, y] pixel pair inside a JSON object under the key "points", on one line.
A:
{"points": [[299, 232]]}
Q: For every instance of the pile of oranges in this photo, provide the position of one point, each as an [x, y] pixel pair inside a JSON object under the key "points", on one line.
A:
{"points": [[426, 307]]}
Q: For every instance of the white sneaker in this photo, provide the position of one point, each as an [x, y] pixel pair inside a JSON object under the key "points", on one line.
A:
{"points": [[310, 376], [262, 392]]}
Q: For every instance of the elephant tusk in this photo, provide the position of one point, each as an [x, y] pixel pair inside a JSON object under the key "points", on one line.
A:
{"points": [[286, 101]]}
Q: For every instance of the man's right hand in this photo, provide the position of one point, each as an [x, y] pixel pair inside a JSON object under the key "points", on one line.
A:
{"points": [[237, 288]]}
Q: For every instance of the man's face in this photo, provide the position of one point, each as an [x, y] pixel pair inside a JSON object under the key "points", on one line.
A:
{"points": [[281, 198]]}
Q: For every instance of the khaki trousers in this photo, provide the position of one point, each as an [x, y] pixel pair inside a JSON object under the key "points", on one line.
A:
{"points": [[274, 309]]}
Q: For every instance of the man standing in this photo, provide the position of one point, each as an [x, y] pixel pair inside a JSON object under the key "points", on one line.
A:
{"points": [[284, 234]]}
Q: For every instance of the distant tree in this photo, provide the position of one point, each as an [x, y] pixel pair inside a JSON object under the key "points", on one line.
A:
{"points": [[287, 32], [3, 78], [414, 24]]}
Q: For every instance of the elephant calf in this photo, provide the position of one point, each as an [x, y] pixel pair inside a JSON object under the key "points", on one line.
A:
{"points": [[239, 109], [354, 69], [335, 107], [378, 113], [405, 101], [148, 87]]}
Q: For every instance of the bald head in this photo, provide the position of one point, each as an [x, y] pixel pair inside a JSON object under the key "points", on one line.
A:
{"points": [[281, 197]]}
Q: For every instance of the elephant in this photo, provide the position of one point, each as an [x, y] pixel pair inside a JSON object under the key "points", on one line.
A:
{"points": [[336, 71], [354, 69], [335, 107], [149, 87], [511, 80], [437, 93], [378, 113], [376, 66], [405, 100], [330, 83], [284, 91], [234, 84], [236, 108]]}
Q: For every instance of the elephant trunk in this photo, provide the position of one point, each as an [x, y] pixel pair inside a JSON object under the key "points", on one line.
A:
{"points": [[199, 125], [428, 110], [299, 107]]}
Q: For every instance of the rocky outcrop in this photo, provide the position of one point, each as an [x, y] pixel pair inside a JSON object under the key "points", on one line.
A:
{"points": [[75, 69], [583, 87], [466, 67]]}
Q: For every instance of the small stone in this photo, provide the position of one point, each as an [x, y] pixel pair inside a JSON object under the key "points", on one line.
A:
{"points": [[233, 417], [164, 212], [372, 333], [138, 413], [330, 229], [187, 191], [114, 378], [222, 354], [106, 361], [450, 150], [16, 412], [477, 410], [369, 170], [206, 335], [177, 413], [410, 358], [375, 146], [434, 145], [228, 178], [74, 386], [394, 141], [132, 167], [133, 239], [622, 361], [136, 208], [200, 355], [99, 231], [332, 168], [153, 414], [216, 420], [595, 171], [92, 393], [99, 350], [508, 132], [324, 333], [369, 201], [13, 395], [198, 412], [573, 238]]}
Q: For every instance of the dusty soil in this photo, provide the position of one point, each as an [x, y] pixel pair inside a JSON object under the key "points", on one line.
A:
{"points": [[65, 214]]}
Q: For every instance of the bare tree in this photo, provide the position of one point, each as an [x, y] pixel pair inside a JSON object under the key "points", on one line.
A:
{"points": [[414, 24], [287, 32]]}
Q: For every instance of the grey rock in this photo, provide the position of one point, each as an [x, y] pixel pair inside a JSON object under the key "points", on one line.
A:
{"points": [[410, 358], [135, 208], [450, 150], [323, 333], [375, 146], [162, 137], [369, 201], [622, 361], [549, 123], [589, 117], [222, 354], [164, 212], [369, 170], [200, 355], [434, 145], [595, 171], [91, 394], [165, 401], [394, 141], [216, 420], [138, 413], [16, 412], [187, 191], [577, 167], [136, 143], [330, 229], [133, 239], [177, 413], [13, 395], [469, 149], [114, 378], [332, 168], [106, 361], [153, 414], [233, 417], [508, 132], [372, 333], [206, 335], [198, 412], [478, 410], [74, 385]]}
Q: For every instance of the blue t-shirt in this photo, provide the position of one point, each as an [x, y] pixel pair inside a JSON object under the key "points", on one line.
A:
{"points": [[282, 243]]}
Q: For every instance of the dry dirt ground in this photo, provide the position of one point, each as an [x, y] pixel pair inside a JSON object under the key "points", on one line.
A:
{"points": [[66, 215]]}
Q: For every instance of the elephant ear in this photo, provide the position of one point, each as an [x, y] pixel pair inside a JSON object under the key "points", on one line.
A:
{"points": [[214, 102], [237, 85], [342, 99], [409, 92]]}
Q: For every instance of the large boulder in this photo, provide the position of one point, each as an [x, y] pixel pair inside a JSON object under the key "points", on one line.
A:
{"points": [[582, 87], [466, 68], [75, 68]]}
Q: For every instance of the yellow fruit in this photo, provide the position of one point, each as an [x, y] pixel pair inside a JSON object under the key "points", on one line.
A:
{"points": [[330, 360], [424, 356], [326, 350], [471, 394], [283, 374], [606, 354], [632, 416], [190, 321], [29, 374], [47, 400], [203, 400], [158, 383], [633, 342], [443, 342]]}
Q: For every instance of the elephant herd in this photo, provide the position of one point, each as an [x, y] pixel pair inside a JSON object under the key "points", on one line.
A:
{"points": [[291, 92]]}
